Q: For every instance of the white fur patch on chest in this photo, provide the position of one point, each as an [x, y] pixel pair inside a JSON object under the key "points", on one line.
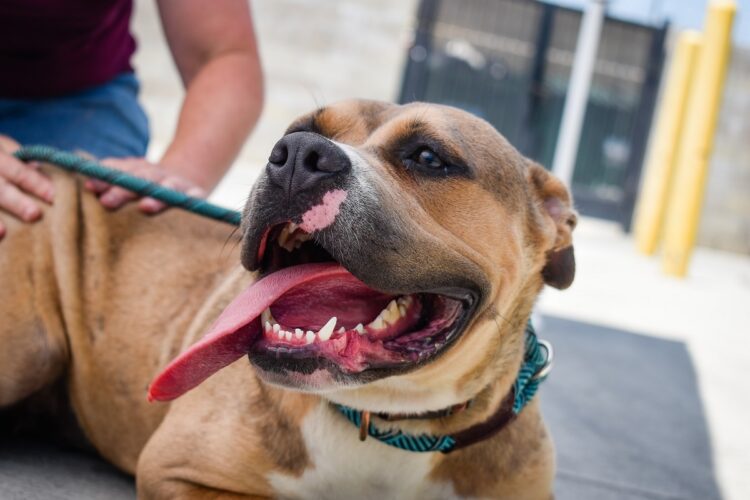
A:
{"points": [[343, 467]]}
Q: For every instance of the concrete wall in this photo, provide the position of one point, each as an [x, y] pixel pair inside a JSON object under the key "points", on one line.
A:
{"points": [[314, 53], [725, 223]]}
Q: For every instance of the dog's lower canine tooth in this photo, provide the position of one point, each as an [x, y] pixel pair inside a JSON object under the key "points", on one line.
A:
{"points": [[268, 326], [327, 330]]}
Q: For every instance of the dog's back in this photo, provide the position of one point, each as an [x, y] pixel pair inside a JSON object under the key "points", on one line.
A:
{"points": [[94, 302]]}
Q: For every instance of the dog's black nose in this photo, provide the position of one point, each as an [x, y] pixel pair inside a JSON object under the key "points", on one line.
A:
{"points": [[302, 160]]}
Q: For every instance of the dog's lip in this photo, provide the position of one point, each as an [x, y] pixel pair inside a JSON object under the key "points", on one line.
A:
{"points": [[257, 249]]}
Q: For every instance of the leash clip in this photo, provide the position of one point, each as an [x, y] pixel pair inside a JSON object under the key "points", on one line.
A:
{"points": [[544, 370]]}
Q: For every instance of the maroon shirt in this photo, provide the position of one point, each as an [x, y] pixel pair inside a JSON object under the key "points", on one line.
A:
{"points": [[54, 47]]}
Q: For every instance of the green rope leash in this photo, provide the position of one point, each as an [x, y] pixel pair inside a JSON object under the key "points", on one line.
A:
{"points": [[138, 185]]}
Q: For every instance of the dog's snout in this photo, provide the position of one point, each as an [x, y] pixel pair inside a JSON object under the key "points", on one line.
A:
{"points": [[302, 160]]}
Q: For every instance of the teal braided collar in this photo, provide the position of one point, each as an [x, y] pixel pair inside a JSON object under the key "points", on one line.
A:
{"points": [[536, 365]]}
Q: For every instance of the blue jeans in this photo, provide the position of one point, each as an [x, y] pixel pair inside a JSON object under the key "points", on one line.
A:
{"points": [[104, 121]]}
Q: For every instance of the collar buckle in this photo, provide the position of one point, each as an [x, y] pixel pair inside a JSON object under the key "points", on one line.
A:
{"points": [[364, 425]]}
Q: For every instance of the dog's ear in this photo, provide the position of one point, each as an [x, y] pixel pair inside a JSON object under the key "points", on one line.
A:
{"points": [[555, 204]]}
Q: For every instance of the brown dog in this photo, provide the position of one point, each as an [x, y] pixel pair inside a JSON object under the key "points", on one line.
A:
{"points": [[397, 252]]}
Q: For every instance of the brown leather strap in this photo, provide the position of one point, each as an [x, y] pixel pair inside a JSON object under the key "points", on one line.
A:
{"points": [[484, 430]]}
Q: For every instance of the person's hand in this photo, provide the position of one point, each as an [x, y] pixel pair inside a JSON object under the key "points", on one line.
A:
{"points": [[21, 184], [114, 197]]}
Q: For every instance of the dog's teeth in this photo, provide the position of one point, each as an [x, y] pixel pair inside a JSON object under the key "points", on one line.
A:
{"points": [[327, 330], [286, 239], [298, 333], [377, 322], [360, 329], [309, 337], [392, 306], [276, 327], [267, 317], [280, 334], [391, 313], [402, 310], [287, 336], [268, 327], [342, 330], [284, 235]]}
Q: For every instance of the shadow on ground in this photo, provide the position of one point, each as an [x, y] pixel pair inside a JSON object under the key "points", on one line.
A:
{"points": [[32, 470], [623, 409]]}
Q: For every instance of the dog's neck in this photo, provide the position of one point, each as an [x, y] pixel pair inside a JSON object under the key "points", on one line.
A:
{"points": [[533, 369]]}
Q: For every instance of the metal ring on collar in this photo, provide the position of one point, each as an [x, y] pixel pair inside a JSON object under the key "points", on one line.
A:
{"points": [[547, 366]]}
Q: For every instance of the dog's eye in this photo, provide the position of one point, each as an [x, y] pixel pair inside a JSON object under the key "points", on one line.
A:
{"points": [[427, 158], [424, 160]]}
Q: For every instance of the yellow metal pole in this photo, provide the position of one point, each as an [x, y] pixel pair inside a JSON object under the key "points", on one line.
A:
{"points": [[654, 195], [683, 212]]}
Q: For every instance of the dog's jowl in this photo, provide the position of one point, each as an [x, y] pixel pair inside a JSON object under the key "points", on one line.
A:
{"points": [[364, 335]]}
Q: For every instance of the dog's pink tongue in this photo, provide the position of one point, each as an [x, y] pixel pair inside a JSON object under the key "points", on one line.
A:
{"points": [[232, 333]]}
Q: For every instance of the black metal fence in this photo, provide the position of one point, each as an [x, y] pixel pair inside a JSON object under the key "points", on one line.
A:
{"points": [[509, 61]]}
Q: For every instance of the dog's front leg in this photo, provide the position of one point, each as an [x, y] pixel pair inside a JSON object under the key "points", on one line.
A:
{"points": [[210, 443], [173, 488], [194, 472]]}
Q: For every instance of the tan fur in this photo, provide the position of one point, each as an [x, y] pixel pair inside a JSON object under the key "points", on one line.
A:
{"points": [[103, 300]]}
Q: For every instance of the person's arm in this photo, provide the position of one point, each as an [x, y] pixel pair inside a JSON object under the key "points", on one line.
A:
{"points": [[213, 44]]}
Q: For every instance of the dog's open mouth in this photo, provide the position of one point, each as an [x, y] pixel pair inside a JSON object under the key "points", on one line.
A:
{"points": [[309, 313], [337, 318]]}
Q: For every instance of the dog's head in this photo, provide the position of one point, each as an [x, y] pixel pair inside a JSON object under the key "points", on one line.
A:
{"points": [[399, 252]]}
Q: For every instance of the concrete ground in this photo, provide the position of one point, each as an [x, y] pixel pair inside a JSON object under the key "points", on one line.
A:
{"points": [[708, 313], [650, 396]]}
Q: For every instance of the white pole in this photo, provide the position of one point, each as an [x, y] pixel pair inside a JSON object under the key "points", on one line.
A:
{"points": [[578, 91]]}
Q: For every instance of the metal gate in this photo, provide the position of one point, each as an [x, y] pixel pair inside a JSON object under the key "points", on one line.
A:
{"points": [[509, 61]]}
